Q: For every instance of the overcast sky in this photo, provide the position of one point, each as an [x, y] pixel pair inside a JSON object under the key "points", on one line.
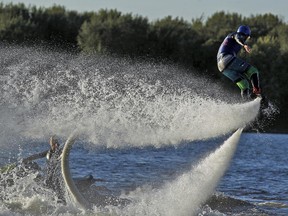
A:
{"points": [[156, 9]]}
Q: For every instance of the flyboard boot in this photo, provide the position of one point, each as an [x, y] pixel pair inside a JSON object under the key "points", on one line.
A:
{"points": [[257, 92]]}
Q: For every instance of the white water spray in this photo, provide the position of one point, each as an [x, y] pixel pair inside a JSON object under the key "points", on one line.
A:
{"points": [[185, 195], [116, 103], [112, 102]]}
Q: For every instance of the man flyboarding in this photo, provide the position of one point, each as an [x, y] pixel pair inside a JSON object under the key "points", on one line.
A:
{"points": [[236, 69]]}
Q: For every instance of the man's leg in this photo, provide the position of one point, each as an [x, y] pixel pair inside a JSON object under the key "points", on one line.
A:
{"points": [[236, 71], [253, 75], [240, 81], [244, 87]]}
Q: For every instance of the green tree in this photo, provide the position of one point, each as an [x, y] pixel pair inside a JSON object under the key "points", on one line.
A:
{"points": [[174, 39], [15, 25], [110, 31], [221, 23], [281, 33], [54, 25], [261, 25], [57, 25]]}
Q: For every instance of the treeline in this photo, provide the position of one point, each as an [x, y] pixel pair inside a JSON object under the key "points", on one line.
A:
{"points": [[191, 43]]}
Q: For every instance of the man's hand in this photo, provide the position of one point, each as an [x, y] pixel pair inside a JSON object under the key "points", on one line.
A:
{"points": [[247, 48]]}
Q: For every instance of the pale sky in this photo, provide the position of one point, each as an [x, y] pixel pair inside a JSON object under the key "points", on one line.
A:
{"points": [[187, 9]]}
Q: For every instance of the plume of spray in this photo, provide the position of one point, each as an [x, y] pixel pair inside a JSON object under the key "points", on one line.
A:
{"points": [[110, 101], [119, 102], [184, 195]]}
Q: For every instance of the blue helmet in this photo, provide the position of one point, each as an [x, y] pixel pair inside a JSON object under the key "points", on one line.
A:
{"points": [[244, 30]]}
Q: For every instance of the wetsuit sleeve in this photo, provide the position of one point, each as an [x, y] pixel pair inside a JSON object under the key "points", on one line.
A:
{"points": [[34, 157], [240, 39]]}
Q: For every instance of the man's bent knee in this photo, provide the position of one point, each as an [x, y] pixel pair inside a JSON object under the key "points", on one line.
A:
{"points": [[243, 84], [251, 71]]}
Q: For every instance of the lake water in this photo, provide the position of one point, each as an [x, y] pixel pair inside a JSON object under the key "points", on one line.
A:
{"points": [[162, 142], [254, 184], [258, 173]]}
